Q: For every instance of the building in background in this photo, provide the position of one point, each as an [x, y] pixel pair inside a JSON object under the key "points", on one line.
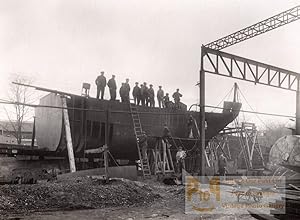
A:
{"points": [[7, 133]]}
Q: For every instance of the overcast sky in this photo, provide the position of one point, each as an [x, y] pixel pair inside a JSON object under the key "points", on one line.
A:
{"points": [[63, 43]]}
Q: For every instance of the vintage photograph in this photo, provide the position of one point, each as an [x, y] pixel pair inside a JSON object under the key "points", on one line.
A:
{"points": [[159, 110]]}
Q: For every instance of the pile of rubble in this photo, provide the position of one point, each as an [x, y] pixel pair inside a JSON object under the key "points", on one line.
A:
{"points": [[79, 193]]}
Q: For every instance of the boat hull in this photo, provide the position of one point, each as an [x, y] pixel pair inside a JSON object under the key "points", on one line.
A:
{"points": [[89, 118]]}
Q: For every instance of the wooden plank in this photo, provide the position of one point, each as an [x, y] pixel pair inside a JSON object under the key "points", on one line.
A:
{"points": [[258, 215], [292, 192], [292, 197], [68, 136]]}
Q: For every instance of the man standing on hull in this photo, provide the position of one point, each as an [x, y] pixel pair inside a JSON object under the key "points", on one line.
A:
{"points": [[177, 96], [127, 90], [160, 97], [136, 93], [144, 94], [101, 83], [151, 96], [112, 87]]}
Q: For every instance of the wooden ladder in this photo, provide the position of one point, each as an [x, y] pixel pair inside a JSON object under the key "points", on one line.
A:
{"points": [[137, 127]]}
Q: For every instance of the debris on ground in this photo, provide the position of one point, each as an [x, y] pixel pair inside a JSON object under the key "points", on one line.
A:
{"points": [[76, 193]]}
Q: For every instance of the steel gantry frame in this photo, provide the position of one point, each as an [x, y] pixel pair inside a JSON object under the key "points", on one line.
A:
{"points": [[233, 66], [220, 63], [264, 26]]}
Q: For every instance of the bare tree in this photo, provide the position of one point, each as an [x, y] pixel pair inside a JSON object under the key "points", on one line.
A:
{"points": [[17, 114]]}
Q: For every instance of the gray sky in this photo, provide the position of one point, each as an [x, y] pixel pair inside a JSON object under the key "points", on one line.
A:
{"points": [[62, 43]]}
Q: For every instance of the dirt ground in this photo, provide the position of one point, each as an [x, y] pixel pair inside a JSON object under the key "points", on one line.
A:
{"points": [[168, 205]]}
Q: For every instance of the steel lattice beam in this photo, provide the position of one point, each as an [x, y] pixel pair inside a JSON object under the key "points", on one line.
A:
{"points": [[264, 26], [225, 64]]}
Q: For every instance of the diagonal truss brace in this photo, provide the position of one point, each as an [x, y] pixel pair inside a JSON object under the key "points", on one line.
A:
{"points": [[225, 64], [264, 26]]}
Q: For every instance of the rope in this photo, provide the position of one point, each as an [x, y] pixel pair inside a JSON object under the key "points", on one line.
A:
{"points": [[259, 118], [228, 94]]}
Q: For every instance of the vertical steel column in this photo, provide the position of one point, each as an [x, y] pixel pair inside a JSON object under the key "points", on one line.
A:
{"points": [[298, 107], [202, 114]]}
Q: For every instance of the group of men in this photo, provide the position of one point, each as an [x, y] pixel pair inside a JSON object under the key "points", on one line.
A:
{"points": [[142, 95]]}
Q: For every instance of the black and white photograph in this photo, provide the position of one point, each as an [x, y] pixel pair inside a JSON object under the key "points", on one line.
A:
{"points": [[154, 110]]}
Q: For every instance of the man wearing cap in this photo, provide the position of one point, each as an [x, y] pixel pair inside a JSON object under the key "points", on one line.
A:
{"points": [[101, 83], [136, 93], [151, 96], [166, 101], [112, 87], [166, 134], [143, 142], [222, 164], [127, 90], [144, 94], [122, 92], [176, 96], [160, 97]]}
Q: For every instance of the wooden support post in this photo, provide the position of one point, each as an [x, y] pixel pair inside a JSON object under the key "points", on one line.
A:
{"points": [[106, 147], [68, 136], [298, 107], [155, 158], [170, 156], [105, 155], [202, 115], [33, 133], [164, 157]]}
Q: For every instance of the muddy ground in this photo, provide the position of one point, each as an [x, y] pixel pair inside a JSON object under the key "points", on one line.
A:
{"points": [[90, 199]]}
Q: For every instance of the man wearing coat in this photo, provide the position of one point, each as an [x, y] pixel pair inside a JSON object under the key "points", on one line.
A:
{"points": [[112, 87], [101, 83]]}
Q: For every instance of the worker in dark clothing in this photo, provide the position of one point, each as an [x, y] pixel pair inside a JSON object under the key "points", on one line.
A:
{"points": [[177, 96], [151, 95], [112, 87], [127, 90], [136, 93], [166, 134], [222, 165], [144, 94], [101, 83], [143, 143], [160, 97], [180, 157], [190, 124], [142, 97], [123, 92], [166, 100]]}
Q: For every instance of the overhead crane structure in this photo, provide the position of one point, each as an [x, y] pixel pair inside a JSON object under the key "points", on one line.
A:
{"points": [[225, 64], [264, 26]]}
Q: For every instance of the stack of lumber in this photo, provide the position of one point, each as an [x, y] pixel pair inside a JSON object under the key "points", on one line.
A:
{"points": [[290, 201]]}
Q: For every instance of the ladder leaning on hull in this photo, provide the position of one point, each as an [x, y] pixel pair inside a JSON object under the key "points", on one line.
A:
{"points": [[137, 127]]}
